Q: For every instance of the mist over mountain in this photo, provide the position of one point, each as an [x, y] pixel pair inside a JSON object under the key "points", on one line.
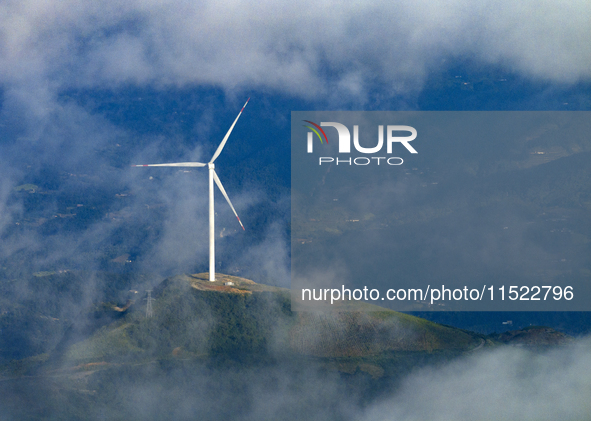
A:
{"points": [[234, 348], [87, 90]]}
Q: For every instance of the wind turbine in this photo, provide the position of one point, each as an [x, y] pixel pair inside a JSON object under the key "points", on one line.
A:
{"points": [[212, 177]]}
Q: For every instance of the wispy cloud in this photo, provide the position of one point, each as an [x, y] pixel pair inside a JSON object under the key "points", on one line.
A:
{"points": [[506, 384], [301, 49]]}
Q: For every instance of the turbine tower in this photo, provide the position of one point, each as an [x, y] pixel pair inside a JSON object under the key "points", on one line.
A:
{"points": [[212, 177]]}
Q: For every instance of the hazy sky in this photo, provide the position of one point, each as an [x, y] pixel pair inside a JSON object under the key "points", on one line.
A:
{"points": [[328, 53], [319, 53], [337, 53]]}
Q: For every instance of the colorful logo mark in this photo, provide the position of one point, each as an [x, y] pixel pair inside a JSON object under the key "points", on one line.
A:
{"points": [[316, 131]]}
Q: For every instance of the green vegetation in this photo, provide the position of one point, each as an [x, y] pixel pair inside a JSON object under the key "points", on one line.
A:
{"points": [[27, 187], [251, 322], [190, 322], [44, 273], [203, 334]]}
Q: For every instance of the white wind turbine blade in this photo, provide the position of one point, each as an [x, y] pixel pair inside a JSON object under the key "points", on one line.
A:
{"points": [[176, 164], [219, 183], [219, 149]]}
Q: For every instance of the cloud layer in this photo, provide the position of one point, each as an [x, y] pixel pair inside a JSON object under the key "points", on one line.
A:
{"points": [[508, 384], [305, 49]]}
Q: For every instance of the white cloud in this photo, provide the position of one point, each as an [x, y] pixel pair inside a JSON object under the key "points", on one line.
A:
{"points": [[304, 49], [508, 384]]}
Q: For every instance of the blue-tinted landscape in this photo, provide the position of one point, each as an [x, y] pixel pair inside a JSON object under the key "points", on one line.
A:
{"points": [[88, 91]]}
